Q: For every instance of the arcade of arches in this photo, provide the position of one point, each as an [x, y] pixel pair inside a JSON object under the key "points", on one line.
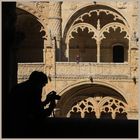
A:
{"points": [[102, 35]]}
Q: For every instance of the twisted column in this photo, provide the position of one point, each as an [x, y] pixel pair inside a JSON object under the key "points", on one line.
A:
{"points": [[55, 25]]}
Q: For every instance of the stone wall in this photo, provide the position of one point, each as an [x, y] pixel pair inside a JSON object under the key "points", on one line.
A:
{"points": [[57, 19]]}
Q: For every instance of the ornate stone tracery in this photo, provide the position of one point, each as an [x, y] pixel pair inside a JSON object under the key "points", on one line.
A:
{"points": [[98, 105], [98, 11], [98, 33], [81, 26], [114, 25]]}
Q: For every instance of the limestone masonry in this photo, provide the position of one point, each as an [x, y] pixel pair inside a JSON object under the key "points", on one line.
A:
{"points": [[103, 81]]}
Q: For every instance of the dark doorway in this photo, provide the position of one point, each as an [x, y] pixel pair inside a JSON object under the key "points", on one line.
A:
{"points": [[118, 54]]}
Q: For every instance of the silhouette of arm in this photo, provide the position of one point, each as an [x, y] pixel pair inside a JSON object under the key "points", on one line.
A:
{"points": [[50, 97]]}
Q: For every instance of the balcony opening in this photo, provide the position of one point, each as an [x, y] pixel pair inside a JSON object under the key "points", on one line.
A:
{"points": [[83, 45], [30, 48], [118, 54]]}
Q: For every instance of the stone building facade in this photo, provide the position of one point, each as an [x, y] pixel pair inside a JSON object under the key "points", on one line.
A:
{"points": [[103, 83]]}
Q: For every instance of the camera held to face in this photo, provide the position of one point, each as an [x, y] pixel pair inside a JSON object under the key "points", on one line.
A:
{"points": [[52, 96]]}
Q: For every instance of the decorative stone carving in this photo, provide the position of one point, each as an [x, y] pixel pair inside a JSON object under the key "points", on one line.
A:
{"points": [[136, 4], [82, 26], [98, 11], [134, 67], [55, 25], [134, 40], [55, 28], [55, 18], [55, 9], [121, 5], [40, 6], [86, 69], [73, 6], [114, 25], [33, 11], [109, 104], [69, 73], [24, 70], [96, 105], [44, 31]]}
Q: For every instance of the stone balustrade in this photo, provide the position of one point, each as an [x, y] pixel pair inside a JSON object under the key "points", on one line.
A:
{"points": [[81, 70], [86, 69], [25, 69]]}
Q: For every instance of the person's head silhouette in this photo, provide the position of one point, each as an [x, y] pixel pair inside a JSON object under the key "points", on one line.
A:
{"points": [[38, 78]]}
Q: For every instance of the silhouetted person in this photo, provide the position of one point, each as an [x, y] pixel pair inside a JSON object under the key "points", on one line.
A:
{"points": [[25, 102], [51, 98]]}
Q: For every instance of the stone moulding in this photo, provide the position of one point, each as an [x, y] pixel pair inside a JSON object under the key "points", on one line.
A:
{"points": [[32, 11]]}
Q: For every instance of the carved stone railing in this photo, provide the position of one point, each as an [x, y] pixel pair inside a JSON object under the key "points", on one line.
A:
{"points": [[25, 69], [78, 71], [86, 69]]}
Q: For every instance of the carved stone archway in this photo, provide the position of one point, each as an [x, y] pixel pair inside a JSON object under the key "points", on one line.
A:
{"points": [[93, 20], [39, 26], [92, 100]]}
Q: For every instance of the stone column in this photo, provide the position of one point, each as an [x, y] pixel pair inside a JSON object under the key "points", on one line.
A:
{"points": [[49, 56], [135, 15], [98, 41], [98, 51], [134, 56], [134, 40], [67, 52], [55, 25]]}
